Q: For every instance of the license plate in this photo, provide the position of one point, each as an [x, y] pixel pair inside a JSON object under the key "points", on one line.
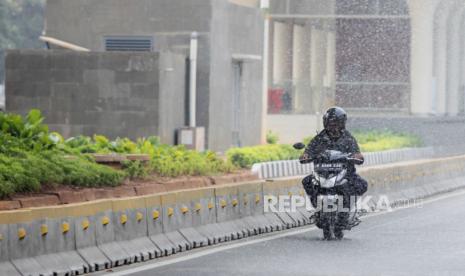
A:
{"points": [[330, 165], [330, 198]]}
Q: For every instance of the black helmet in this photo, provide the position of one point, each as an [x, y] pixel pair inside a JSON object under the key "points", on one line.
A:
{"points": [[334, 120]]}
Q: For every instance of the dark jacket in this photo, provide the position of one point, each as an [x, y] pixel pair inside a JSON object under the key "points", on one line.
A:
{"points": [[346, 143]]}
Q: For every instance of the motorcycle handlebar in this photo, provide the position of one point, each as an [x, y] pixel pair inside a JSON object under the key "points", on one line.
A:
{"points": [[305, 161], [309, 160], [354, 159]]}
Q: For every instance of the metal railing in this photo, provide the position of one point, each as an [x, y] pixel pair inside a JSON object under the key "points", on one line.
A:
{"points": [[287, 168]]}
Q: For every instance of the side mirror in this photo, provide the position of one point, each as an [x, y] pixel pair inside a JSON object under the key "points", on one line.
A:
{"points": [[299, 146]]}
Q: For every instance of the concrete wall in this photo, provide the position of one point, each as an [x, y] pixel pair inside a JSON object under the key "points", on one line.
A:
{"points": [[236, 36], [302, 6], [248, 3], [225, 28], [115, 94], [86, 22], [168, 22], [172, 95], [293, 128]]}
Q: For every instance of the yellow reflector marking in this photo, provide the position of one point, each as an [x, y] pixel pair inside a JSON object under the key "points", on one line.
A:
{"points": [[85, 224], [139, 216], [65, 227], [43, 229], [184, 209], [21, 233], [123, 219]]}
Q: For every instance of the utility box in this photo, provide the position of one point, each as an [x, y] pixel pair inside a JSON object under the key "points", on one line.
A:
{"points": [[192, 137]]}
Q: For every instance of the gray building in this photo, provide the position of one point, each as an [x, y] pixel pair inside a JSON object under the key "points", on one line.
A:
{"points": [[129, 94], [396, 59], [280, 67], [229, 67]]}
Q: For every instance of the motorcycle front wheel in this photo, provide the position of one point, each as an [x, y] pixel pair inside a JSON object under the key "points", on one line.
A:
{"points": [[338, 233], [327, 235]]}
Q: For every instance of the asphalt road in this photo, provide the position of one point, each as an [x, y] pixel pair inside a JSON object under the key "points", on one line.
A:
{"points": [[412, 241]]}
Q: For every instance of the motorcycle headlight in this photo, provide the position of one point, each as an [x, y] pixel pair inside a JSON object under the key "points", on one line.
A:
{"points": [[328, 182]]}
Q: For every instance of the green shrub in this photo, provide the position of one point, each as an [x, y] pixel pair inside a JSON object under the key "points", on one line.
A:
{"points": [[247, 156], [29, 133], [166, 160], [368, 141], [177, 160], [272, 138], [379, 140], [135, 169], [84, 173], [31, 157], [101, 144]]}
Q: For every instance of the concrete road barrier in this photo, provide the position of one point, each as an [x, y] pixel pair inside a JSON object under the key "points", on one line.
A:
{"points": [[178, 218], [130, 226], [84, 237], [155, 227], [251, 208], [204, 216], [228, 212], [285, 187], [105, 236], [85, 229]]}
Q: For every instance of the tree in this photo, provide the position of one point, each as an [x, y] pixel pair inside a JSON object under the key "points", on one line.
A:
{"points": [[21, 23]]}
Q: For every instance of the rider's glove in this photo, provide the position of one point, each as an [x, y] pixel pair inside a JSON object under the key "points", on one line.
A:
{"points": [[304, 158], [358, 158]]}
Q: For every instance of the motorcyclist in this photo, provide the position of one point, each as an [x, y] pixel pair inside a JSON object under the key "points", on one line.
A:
{"points": [[334, 136]]}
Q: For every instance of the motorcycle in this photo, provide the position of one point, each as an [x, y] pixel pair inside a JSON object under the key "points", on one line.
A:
{"points": [[329, 183]]}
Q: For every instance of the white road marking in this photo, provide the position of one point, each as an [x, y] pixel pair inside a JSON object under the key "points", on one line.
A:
{"points": [[257, 239]]}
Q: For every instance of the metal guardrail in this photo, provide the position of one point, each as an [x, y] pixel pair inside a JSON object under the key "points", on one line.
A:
{"points": [[284, 168], [287, 168]]}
